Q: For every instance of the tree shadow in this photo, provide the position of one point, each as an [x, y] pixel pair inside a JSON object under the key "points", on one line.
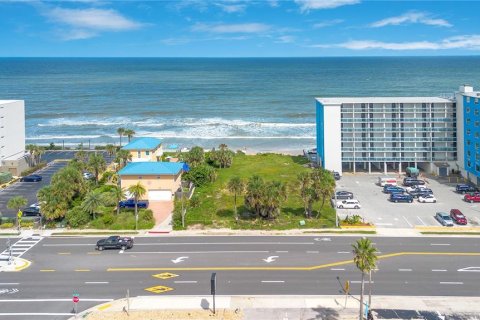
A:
{"points": [[325, 314], [225, 213], [297, 212], [299, 160]]}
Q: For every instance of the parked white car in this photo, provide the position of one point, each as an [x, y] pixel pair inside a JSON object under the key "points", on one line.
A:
{"points": [[428, 198], [348, 204], [412, 188]]}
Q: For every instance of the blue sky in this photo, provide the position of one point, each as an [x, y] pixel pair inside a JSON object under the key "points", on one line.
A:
{"points": [[235, 28]]}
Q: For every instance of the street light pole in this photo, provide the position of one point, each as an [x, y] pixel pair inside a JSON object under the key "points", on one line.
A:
{"points": [[335, 205]]}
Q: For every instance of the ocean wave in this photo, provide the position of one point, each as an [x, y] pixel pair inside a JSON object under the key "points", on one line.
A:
{"points": [[82, 137]]}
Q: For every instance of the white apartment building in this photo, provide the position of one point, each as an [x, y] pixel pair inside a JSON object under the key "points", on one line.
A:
{"points": [[385, 133], [12, 137]]}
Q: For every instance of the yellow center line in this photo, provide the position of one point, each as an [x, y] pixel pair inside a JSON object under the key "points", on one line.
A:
{"points": [[294, 268], [47, 270], [82, 270]]}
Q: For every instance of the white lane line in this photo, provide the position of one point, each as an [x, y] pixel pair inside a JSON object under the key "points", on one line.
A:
{"points": [[96, 282], [313, 251], [175, 244], [439, 244], [337, 269], [421, 221], [185, 281], [53, 300], [439, 270], [355, 281], [177, 252], [408, 222], [404, 270], [9, 284], [343, 252], [384, 224], [281, 251], [451, 282], [273, 281]]}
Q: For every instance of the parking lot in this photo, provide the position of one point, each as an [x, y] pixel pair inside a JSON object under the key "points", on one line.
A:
{"points": [[377, 209]]}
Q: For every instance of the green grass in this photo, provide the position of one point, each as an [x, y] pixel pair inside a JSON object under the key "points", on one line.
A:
{"points": [[344, 231], [216, 204], [91, 233]]}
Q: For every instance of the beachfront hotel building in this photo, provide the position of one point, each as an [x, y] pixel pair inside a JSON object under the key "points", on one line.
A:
{"points": [[468, 137], [12, 137], [386, 134]]}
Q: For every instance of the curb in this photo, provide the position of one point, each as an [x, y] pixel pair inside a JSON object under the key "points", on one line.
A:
{"points": [[448, 229], [24, 265]]}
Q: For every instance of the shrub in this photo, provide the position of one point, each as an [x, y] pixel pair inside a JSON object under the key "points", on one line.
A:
{"points": [[27, 224], [108, 219], [353, 220], [201, 175], [6, 225], [33, 169], [76, 217]]}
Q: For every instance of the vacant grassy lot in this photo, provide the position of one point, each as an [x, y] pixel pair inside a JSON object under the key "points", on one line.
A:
{"points": [[215, 207]]}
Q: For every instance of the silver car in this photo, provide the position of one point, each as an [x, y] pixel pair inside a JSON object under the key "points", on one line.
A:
{"points": [[444, 219]]}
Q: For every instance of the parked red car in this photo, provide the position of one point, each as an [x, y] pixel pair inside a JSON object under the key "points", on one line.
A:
{"points": [[472, 197], [458, 216]]}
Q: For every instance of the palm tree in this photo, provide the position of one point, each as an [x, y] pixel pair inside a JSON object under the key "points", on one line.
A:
{"points": [[16, 203], [129, 133], [122, 157], [253, 196], [236, 186], [93, 200], [111, 149], [121, 132], [118, 194], [96, 163], [31, 149], [307, 192], [81, 156], [365, 258], [137, 191]]}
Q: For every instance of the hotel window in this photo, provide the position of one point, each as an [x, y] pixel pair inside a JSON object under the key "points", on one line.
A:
{"points": [[467, 99], [477, 167], [475, 112], [147, 153], [477, 134], [468, 121], [477, 123], [468, 153], [477, 156], [468, 131], [476, 100], [477, 145], [468, 142], [467, 110], [469, 164], [138, 154]]}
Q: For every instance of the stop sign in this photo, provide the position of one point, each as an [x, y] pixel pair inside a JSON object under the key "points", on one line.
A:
{"points": [[76, 299]]}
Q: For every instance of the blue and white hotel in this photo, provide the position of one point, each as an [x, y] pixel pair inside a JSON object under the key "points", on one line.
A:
{"points": [[468, 132]]}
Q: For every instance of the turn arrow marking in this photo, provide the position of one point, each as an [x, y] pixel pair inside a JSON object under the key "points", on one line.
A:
{"points": [[469, 269], [179, 259], [270, 259]]}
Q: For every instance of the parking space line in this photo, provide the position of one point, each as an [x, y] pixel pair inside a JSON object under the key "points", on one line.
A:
{"points": [[421, 221], [408, 222]]}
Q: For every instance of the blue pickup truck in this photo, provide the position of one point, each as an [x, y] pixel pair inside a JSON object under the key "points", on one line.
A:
{"points": [[130, 203]]}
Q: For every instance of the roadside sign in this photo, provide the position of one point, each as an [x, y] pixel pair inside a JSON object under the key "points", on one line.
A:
{"points": [[19, 214], [76, 299], [347, 286]]}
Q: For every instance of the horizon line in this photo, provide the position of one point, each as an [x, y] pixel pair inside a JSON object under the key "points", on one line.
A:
{"points": [[243, 57]]}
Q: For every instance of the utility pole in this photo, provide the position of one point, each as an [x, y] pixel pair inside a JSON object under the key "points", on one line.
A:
{"points": [[335, 205]]}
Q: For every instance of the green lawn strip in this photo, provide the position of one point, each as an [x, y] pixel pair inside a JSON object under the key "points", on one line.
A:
{"points": [[343, 231], [216, 204], [8, 234], [92, 233], [451, 232]]}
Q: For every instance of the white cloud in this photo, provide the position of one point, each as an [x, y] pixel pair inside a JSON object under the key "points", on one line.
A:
{"points": [[285, 39], [232, 8], [273, 3], [307, 5], [411, 17], [327, 23], [92, 19], [471, 42], [232, 28], [77, 34]]}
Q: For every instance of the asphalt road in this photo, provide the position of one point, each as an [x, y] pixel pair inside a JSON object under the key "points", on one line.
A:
{"points": [[244, 266], [29, 189]]}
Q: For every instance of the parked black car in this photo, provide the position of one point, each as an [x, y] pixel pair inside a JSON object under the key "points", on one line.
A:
{"points": [[393, 189], [336, 175], [398, 197], [130, 203], [413, 182], [31, 212], [31, 178], [343, 195], [465, 188], [420, 192], [115, 242]]}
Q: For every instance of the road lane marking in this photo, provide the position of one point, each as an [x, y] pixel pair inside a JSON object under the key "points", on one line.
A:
{"points": [[47, 270], [53, 300], [312, 251], [180, 244], [281, 251], [404, 270], [64, 253], [186, 281], [9, 284], [469, 269], [304, 268], [270, 259], [343, 252], [439, 270], [179, 259], [96, 282], [190, 252], [408, 222], [273, 281], [36, 314], [439, 244], [93, 252], [82, 270], [337, 269], [451, 282], [384, 224]]}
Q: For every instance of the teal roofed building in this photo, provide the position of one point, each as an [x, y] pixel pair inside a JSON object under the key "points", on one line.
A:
{"points": [[160, 179], [145, 149]]}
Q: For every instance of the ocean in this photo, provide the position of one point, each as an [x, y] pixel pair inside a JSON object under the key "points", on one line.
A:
{"points": [[253, 104]]}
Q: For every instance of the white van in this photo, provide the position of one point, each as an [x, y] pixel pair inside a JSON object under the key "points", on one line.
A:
{"points": [[348, 204], [382, 181]]}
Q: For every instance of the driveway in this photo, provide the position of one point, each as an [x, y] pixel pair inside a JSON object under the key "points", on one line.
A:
{"points": [[162, 212]]}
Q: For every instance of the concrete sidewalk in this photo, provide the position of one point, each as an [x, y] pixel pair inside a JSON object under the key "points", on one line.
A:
{"points": [[289, 307]]}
